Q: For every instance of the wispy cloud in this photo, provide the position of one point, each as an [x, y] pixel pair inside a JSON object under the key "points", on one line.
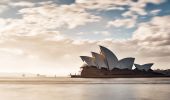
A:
{"points": [[22, 4], [155, 12], [127, 23], [53, 16]]}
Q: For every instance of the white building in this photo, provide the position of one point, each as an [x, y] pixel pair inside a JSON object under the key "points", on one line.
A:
{"points": [[125, 63], [145, 67], [100, 60], [89, 60], [108, 59]]}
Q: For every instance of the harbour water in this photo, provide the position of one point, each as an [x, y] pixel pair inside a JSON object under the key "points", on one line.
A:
{"points": [[84, 89]]}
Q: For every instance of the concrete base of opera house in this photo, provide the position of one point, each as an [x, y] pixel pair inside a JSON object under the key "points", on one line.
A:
{"points": [[94, 72]]}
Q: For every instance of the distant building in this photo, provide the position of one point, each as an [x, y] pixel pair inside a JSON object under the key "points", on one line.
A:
{"points": [[107, 59], [145, 67], [106, 65]]}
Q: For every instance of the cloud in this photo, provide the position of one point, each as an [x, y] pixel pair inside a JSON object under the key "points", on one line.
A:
{"points": [[156, 27], [4, 1], [154, 37], [3, 8], [103, 33], [138, 8], [54, 16], [127, 23], [35, 36], [4, 5], [150, 43], [46, 48], [115, 8], [102, 5], [14, 51], [155, 12], [134, 7], [22, 4], [46, 17]]}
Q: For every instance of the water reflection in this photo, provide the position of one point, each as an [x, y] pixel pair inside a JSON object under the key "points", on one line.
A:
{"points": [[87, 91]]}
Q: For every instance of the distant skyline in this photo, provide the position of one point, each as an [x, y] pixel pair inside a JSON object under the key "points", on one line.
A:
{"points": [[48, 36]]}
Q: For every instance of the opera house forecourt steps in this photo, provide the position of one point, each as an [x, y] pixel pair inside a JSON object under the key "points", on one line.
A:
{"points": [[106, 65]]}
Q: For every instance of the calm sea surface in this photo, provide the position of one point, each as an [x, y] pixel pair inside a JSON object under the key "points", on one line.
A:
{"points": [[84, 89]]}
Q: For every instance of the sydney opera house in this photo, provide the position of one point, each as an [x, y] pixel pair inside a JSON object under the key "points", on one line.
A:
{"points": [[107, 59], [106, 65]]}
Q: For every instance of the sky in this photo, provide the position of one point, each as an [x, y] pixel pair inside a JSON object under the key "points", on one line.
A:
{"points": [[48, 36]]}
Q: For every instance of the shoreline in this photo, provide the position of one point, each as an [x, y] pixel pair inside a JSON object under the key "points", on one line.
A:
{"points": [[69, 80]]}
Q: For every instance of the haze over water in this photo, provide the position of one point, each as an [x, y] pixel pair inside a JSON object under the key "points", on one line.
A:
{"points": [[85, 89]]}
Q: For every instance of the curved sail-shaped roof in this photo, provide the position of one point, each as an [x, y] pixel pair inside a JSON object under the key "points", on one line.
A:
{"points": [[89, 60], [138, 66], [145, 67], [110, 57], [126, 63], [100, 61]]}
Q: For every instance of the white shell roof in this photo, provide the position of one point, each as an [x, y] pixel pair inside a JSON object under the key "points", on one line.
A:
{"points": [[100, 61], [145, 67], [89, 60], [125, 63], [110, 57]]}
